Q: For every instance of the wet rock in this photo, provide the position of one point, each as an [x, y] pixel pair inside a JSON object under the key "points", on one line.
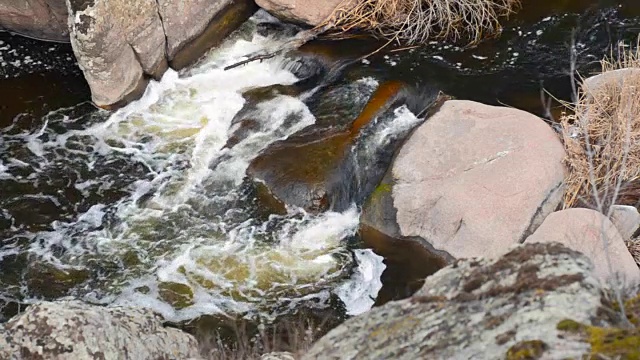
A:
{"points": [[178, 295], [121, 44], [302, 11], [45, 280], [74, 330], [318, 168], [40, 19], [587, 230], [480, 309], [626, 219], [471, 181]]}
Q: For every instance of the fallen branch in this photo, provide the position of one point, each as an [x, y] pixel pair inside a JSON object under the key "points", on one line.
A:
{"points": [[300, 39]]}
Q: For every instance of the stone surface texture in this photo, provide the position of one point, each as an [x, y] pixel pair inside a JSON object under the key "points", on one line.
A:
{"points": [[471, 181], [121, 44], [478, 309], [72, 330], [40, 19], [587, 231], [626, 219], [116, 43], [301, 11]]}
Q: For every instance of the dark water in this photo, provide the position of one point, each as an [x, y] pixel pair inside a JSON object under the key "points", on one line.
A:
{"points": [[531, 55]]}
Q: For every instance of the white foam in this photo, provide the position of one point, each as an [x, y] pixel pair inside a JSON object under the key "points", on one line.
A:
{"points": [[187, 222], [359, 293], [404, 121]]}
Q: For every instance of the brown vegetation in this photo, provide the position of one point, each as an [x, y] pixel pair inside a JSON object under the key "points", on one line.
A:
{"points": [[418, 21], [602, 137]]}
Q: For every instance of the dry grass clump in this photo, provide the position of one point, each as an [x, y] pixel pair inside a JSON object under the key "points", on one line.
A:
{"points": [[602, 137], [417, 21], [288, 338]]}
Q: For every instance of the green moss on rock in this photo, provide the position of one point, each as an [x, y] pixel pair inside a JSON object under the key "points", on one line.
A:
{"points": [[527, 350], [381, 190], [613, 342], [49, 281], [178, 295], [569, 325]]}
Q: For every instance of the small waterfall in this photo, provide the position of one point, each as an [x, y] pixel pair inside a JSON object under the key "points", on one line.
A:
{"points": [[159, 226]]}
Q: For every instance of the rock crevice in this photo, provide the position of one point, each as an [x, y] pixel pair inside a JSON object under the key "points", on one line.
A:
{"points": [[121, 44]]}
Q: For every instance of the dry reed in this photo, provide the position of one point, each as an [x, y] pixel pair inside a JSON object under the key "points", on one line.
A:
{"points": [[607, 111], [418, 21]]}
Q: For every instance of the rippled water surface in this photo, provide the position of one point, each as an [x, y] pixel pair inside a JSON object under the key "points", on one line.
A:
{"points": [[126, 207], [136, 215]]}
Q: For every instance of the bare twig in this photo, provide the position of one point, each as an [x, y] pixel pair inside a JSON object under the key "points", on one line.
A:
{"points": [[601, 139]]}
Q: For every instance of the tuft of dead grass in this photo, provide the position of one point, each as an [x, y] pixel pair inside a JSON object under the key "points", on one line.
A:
{"points": [[417, 21], [602, 135], [241, 339]]}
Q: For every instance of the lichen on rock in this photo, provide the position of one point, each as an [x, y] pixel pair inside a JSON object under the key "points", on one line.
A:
{"points": [[73, 330], [510, 305]]}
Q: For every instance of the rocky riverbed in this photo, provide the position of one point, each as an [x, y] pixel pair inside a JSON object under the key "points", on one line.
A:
{"points": [[425, 182]]}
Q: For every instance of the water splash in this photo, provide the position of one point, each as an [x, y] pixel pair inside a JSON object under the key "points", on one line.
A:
{"points": [[157, 225]]}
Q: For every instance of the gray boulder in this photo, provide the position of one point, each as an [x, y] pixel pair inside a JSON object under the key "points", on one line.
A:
{"points": [[72, 330], [121, 44], [192, 27], [40, 19], [594, 235], [479, 309], [471, 181]]}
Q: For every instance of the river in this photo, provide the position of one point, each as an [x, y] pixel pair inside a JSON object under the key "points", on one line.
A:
{"points": [[125, 207]]}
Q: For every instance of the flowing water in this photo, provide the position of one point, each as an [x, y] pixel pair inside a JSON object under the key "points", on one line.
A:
{"points": [[127, 208], [145, 220]]}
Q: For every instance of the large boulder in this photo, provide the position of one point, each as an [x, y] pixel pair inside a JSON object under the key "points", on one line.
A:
{"points": [[479, 309], [594, 235], [471, 181], [301, 11], [121, 44], [72, 330], [40, 19]]}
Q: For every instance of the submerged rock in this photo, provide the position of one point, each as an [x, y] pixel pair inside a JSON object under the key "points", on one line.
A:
{"points": [[471, 181], [479, 309], [40, 19], [587, 231], [74, 330], [340, 158], [121, 44], [45, 280]]}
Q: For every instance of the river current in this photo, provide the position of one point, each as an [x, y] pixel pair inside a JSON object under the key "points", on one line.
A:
{"points": [[127, 207], [153, 225]]}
